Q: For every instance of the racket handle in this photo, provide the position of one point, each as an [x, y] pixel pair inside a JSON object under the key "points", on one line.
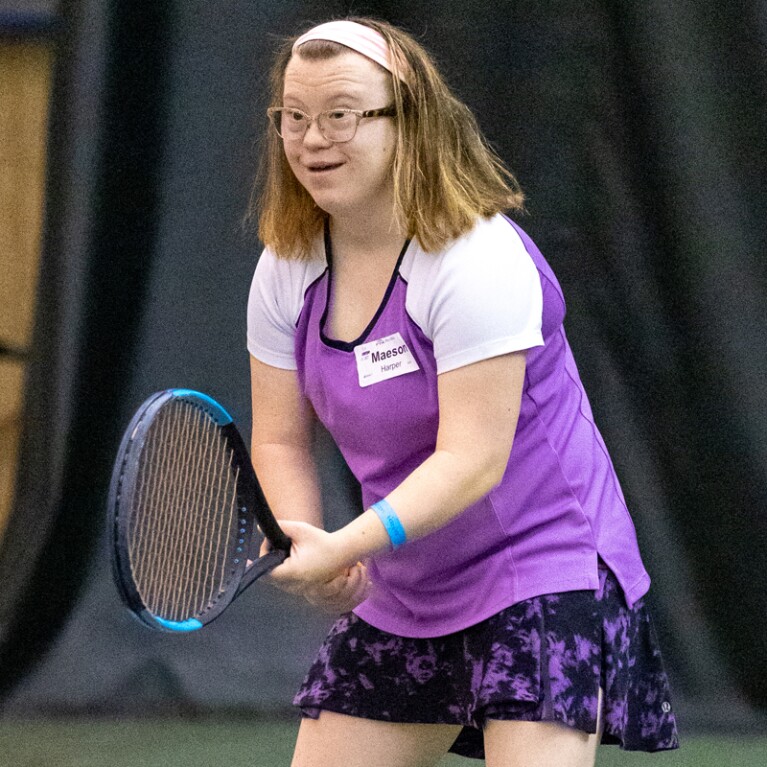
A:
{"points": [[261, 566], [271, 529]]}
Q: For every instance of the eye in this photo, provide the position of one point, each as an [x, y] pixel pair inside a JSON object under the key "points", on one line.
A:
{"points": [[295, 116], [338, 114]]}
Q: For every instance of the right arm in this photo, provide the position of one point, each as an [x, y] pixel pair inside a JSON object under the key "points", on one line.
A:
{"points": [[281, 444], [281, 451]]}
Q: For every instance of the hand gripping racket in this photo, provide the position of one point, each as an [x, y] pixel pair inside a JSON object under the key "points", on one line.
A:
{"points": [[184, 503]]}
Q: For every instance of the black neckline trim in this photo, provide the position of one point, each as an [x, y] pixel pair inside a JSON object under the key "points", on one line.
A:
{"points": [[348, 346]]}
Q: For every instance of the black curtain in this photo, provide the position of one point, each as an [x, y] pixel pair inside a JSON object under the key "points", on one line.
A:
{"points": [[696, 74], [104, 152], [638, 133]]}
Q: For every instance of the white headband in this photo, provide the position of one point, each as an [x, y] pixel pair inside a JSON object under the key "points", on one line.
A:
{"points": [[358, 37]]}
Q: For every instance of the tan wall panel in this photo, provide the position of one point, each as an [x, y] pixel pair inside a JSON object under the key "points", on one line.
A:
{"points": [[11, 382], [24, 94], [25, 79]]}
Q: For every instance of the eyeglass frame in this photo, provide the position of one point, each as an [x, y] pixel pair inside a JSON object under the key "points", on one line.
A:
{"points": [[390, 111]]}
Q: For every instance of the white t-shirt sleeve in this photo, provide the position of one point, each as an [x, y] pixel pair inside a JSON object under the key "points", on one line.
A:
{"points": [[274, 304], [481, 298]]}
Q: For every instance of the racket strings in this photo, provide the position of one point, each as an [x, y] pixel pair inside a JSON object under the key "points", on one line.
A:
{"points": [[188, 487], [178, 537], [183, 522], [188, 491]]}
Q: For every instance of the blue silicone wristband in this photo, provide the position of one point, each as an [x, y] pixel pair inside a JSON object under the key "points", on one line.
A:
{"points": [[391, 523]]}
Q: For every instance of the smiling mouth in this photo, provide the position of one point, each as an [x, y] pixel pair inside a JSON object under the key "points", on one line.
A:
{"points": [[323, 167]]}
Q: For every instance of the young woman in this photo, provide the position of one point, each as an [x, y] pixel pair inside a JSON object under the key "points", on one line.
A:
{"points": [[493, 582]]}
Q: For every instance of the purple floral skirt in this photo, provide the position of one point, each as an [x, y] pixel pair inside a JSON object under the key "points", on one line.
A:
{"points": [[543, 659]]}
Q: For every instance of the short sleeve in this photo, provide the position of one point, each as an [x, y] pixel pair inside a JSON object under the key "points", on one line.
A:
{"points": [[479, 299], [273, 312]]}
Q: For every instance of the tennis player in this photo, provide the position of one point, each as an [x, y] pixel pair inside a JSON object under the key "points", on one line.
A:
{"points": [[498, 608]]}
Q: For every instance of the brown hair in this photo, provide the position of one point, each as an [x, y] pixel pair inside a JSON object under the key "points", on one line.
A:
{"points": [[445, 174]]}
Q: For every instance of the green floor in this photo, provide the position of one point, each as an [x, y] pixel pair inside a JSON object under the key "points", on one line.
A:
{"points": [[175, 744]]}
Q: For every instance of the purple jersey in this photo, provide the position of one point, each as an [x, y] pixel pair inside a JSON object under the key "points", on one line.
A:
{"points": [[559, 505]]}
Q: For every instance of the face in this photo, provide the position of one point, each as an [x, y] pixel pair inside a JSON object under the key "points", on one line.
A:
{"points": [[353, 178]]}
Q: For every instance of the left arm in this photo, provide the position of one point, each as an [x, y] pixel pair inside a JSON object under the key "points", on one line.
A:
{"points": [[479, 407]]}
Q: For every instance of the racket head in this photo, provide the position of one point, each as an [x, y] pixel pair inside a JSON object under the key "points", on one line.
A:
{"points": [[182, 511]]}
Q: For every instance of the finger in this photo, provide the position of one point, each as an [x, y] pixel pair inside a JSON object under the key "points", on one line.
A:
{"points": [[342, 593], [328, 590], [359, 585], [337, 605]]}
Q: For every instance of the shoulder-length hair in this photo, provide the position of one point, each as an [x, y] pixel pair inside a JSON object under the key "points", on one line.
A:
{"points": [[445, 174]]}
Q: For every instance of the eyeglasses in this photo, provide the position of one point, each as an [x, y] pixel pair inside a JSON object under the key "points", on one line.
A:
{"points": [[336, 125]]}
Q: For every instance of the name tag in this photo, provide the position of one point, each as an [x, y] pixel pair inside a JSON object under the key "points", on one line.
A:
{"points": [[382, 359]]}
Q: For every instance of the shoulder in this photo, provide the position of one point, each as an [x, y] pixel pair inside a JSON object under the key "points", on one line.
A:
{"points": [[283, 282], [490, 257], [289, 271], [491, 245], [490, 235], [481, 294], [274, 304]]}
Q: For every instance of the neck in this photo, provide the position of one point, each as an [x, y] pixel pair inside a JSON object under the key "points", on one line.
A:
{"points": [[355, 234]]}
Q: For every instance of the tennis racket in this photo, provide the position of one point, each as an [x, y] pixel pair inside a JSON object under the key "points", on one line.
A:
{"points": [[184, 504]]}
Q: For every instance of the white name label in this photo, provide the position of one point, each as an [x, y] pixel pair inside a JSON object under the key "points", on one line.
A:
{"points": [[382, 359]]}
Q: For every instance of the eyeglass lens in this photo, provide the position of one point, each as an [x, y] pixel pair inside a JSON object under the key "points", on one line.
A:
{"points": [[334, 126]]}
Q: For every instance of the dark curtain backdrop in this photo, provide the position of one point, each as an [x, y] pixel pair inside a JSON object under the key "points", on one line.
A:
{"points": [[638, 133]]}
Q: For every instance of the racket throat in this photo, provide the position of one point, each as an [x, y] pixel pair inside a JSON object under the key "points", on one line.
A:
{"points": [[260, 567]]}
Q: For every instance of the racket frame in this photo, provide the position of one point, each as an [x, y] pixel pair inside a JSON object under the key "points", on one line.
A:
{"points": [[252, 509]]}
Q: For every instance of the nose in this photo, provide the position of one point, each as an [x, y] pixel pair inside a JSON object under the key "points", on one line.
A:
{"points": [[313, 135]]}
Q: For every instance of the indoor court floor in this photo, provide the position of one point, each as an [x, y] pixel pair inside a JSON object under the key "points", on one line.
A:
{"points": [[172, 743]]}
